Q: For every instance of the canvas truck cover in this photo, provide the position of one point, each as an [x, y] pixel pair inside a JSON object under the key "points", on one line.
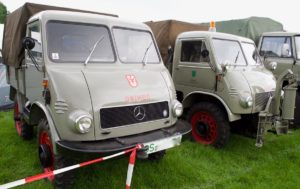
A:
{"points": [[167, 31], [251, 27], [15, 30]]}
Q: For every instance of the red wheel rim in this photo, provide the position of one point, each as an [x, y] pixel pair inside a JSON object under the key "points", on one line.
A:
{"points": [[204, 128], [45, 139], [18, 123]]}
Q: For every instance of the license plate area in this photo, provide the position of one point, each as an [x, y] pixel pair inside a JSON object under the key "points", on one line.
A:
{"points": [[163, 144]]}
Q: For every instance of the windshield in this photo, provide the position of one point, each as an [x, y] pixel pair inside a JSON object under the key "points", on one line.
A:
{"points": [[135, 46], [297, 41], [228, 52], [273, 47], [74, 42], [251, 54]]}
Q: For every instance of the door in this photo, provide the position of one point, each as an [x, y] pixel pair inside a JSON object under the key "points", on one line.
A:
{"points": [[194, 69], [34, 72]]}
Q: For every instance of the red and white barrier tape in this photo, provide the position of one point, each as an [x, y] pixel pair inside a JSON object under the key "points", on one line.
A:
{"points": [[69, 168]]}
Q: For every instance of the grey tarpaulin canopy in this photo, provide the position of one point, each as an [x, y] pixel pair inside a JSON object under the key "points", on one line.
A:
{"points": [[251, 27], [166, 32], [15, 30]]}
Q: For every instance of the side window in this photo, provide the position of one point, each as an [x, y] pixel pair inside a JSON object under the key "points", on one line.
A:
{"points": [[191, 52], [276, 47], [35, 33]]}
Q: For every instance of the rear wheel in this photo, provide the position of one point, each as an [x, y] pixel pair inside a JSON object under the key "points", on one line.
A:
{"points": [[24, 130], [209, 124], [51, 161]]}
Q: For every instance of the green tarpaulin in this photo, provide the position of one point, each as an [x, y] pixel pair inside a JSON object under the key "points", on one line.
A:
{"points": [[251, 27]]}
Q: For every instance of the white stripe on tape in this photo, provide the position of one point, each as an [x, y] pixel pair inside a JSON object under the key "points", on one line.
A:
{"points": [[129, 174], [114, 155], [13, 184], [58, 171]]}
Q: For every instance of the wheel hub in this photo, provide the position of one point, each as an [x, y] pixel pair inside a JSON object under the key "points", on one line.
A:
{"points": [[202, 129]]}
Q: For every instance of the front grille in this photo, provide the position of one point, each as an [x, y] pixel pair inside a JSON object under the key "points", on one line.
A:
{"points": [[126, 115], [261, 99]]}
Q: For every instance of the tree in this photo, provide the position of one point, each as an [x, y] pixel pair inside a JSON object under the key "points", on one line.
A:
{"points": [[3, 12]]}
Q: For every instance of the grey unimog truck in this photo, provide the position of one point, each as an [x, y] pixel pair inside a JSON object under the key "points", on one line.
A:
{"points": [[284, 49], [220, 78], [90, 83]]}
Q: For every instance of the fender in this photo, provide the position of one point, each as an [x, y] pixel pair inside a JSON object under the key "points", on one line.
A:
{"points": [[54, 134], [231, 116]]}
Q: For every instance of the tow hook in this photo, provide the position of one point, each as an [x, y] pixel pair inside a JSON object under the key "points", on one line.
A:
{"points": [[142, 152]]}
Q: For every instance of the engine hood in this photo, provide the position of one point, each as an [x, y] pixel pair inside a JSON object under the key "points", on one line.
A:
{"points": [[250, 80], [120, 88], [260, 80]]}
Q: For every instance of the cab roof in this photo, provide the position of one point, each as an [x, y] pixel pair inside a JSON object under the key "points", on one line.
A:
{"points": [[208, 34], [280, 34], [80, 17]]}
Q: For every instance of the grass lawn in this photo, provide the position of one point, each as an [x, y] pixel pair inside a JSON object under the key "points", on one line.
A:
{"points": [[191, 166]]}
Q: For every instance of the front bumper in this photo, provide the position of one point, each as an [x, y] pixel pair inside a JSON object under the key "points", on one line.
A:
{"points": [[115, 145]]}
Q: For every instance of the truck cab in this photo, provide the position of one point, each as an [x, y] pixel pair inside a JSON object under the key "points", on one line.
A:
{"points": [[92, 84], [283, 48], [220, 78]]}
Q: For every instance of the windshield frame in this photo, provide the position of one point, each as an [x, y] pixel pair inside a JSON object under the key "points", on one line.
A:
{"points": [[232, 40], [137, 30], [297, 47], [81, 24], [257, 53]]}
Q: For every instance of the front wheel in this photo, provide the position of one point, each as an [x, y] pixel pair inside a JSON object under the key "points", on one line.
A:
{"points": [[209, 124], [51, 161]]}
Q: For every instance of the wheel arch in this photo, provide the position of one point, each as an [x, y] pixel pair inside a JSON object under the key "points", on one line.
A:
{"points": [[38, 111], [199, 96]]}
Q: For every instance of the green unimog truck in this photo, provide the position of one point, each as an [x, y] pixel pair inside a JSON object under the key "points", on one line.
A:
{"points": [[90, 83], [220, 78], [284, 49]]}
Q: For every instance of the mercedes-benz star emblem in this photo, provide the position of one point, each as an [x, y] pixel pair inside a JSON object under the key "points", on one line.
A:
{"points": [[139, 113]]}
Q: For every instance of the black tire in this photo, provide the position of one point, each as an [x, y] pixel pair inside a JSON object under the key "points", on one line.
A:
{"points": [[157, 156], [24, 130], [55, 161], [209, 124]]}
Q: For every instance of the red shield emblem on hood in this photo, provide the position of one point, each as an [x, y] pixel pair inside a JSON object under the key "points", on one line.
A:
{"points": [[132, 80]]}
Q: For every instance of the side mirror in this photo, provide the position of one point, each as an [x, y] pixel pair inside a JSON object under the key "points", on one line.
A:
{"points": [[204, 53], [28, 43], [285, 50], [271, 65], [224, 67]]}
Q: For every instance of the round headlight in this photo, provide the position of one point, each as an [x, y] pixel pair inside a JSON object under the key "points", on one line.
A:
{"points": [[177, 108], [246, 102], [83, 124]]}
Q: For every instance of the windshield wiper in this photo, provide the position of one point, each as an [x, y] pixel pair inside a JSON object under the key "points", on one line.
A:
{"points": [[93, 49], [236, 58], [146, 53]]}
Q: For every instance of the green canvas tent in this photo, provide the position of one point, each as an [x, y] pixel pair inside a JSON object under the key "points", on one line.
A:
{"points": [[251, 27]]}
